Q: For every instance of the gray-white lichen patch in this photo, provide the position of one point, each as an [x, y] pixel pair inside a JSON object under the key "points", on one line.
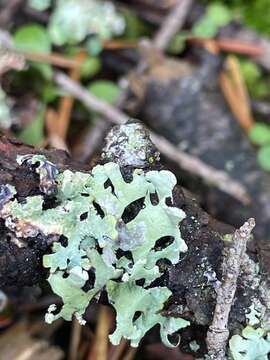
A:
{"points": [[106, 250], [130, 144], [254, 340], [73, 20]]}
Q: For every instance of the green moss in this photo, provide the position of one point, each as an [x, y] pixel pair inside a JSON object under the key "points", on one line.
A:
{"points": [[103, 245]]}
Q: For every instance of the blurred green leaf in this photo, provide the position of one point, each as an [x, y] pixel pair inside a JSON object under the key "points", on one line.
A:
{"points": [[50, 92], [256, 15], [33, 134], [264, 157], [250, 71], [177, 45], [219, 14], [90, 67], [260, 134], [257, 82], [105, 90], [216, 15], [135, 27], [32, 38], [205, 28], [39, 5], [94, 45], [45, 70]]}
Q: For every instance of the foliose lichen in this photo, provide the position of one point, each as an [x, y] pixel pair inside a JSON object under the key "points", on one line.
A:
{"points": [[73, 20], [254, 341], [115, 231]]}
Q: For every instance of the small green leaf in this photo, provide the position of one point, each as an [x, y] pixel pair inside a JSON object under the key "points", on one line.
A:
{"points": [[50, 93], [94, 45], [219, 14], [216, 15], [205, 28], [257, 83], [105, 90], [33, 134], [264, 157], [32, 37], [90, 67], [135, 27], [177, 45], [260, 134]]}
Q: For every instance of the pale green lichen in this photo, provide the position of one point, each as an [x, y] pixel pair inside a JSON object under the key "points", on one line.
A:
{"points": [[73, 20], [252, 344], [113, 250], [254, 341]]}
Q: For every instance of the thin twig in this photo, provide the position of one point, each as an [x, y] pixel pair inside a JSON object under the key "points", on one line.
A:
{"points": [[90, 101], [218, 332], [75, 340], [215, 177], [130, 354], [99, 349], [51, 122], [52, 59], [116, 351], [67, 102], [230, 45], [172, 23]]}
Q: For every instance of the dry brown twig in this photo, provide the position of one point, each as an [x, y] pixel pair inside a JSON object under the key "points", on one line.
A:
{"points": [[230, 45], [171, 24], [116, 352], [52, 130], [67, 102], [99, 349], [218, 332], [75, 339], [215, 177], [52, 59]]}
